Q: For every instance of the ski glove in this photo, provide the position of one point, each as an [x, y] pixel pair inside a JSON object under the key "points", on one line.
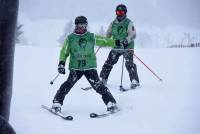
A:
{"points": [[61, 67], [120, 43], [124, 43], [117, 43]]}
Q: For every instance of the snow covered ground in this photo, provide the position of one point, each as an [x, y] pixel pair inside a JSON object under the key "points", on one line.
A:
{"points": [[170, 107]]}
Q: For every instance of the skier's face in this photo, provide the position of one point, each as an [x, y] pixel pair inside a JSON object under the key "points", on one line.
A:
{"points": [[82, 25], [81, 28]]}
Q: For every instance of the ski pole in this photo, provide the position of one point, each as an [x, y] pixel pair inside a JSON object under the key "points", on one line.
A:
{"points": [[148, 68], [121, 87], [97, 50], [54, 78]]}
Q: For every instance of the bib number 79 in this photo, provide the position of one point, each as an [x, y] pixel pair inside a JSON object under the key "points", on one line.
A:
{"points": [[81, 63]]}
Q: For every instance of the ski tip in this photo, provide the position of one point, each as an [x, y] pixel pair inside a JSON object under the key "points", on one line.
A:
{"points": [[69, 118], [43, 106], [123, 89], [86, 89], [93, 115]]}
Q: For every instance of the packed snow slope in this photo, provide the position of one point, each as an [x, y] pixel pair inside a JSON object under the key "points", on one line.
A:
{"points": [[168, 107]]}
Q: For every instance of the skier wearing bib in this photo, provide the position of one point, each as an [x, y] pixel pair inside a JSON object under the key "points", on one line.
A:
{"points": [[123, 32], [79, 46]]}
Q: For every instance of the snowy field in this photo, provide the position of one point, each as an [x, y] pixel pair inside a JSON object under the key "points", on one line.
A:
{"points": [[168, 107]]}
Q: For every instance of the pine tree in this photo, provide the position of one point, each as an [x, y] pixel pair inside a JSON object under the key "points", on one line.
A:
{"points": [[18, 33]]}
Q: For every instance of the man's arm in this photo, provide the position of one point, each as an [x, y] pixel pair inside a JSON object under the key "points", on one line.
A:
{"points": [[104, 41], [64, 52], [131, 32]]}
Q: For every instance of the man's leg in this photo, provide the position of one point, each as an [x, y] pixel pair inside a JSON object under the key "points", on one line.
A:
{"points": [[108, 65], [92, 77], [131, 67], [73, 77]]}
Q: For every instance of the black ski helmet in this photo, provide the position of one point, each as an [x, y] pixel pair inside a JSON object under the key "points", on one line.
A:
{"points": [[121, 7], [81, 19]]}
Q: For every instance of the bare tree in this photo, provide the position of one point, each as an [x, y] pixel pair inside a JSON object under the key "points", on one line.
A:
{"points": [[188, 38], [168, 40]]}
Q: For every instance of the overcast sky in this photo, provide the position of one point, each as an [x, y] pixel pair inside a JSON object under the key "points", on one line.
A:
{"points": [[142, 12]]}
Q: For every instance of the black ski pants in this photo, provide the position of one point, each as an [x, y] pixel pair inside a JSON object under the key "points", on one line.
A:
{"points": [[92, 77], [112, 59]]}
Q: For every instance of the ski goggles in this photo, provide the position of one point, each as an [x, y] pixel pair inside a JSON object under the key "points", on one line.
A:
{"points": [[120, 12]]}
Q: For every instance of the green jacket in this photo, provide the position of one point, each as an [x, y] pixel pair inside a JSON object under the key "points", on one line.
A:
{"points": [[80, 48], [121, 31]]}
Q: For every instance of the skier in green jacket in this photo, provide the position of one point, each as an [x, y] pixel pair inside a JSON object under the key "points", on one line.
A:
{"points": [[124, 33], [79, 45]]}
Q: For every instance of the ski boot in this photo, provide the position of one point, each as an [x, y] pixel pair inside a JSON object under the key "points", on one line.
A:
{"points": [[134, 84], [56, 107], [112, 107]]}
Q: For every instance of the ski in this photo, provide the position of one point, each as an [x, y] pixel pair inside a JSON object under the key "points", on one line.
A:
{"points": [[101, 115], [128, 89], [122, 89], [86, 88], [58, 113]]}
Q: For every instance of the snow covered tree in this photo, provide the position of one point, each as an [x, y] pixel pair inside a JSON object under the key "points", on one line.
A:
{"points": [[67, 30], [102, 31], [144, 40]]}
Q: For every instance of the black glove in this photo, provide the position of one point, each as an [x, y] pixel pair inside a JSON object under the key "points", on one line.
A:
{"points": [[117, 43], [124, 43], [61, 67]]}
